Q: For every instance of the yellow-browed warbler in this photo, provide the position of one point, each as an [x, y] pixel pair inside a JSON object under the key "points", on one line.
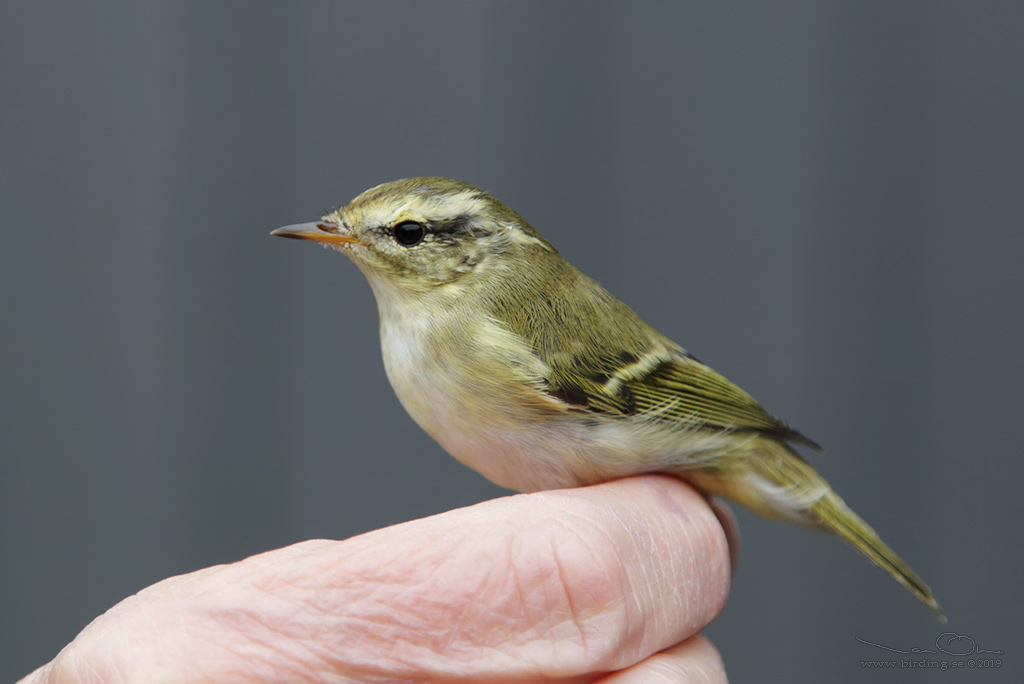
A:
{"points": [[533, 374]]}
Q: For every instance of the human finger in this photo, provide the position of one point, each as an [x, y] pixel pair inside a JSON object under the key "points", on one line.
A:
{"points": [[562, 585], [694, 661], [732, 530]]}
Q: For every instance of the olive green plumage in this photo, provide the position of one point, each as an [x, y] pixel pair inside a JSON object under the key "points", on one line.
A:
{"points": [[530, 372]]}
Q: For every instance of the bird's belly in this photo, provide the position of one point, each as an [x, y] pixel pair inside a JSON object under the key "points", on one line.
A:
{"points": [[519, 456], [487, 424]]}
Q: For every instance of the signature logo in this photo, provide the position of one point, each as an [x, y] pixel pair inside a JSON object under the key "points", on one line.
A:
{"points": [[949, 643]]}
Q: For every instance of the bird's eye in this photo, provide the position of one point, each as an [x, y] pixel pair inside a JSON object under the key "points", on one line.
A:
{"points": [[409, 233]]}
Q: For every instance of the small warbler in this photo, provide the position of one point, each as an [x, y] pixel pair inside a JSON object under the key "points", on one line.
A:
{"points": [[533, 374]]}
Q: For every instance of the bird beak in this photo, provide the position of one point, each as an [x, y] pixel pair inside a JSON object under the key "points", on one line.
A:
{"points": [[318, 232]]}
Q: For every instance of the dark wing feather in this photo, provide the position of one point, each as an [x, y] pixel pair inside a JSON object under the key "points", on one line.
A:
{"points": [[678, 388], [692, 389]]}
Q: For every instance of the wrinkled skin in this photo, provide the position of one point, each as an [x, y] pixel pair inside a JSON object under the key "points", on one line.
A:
{"points": [[610, 583]]}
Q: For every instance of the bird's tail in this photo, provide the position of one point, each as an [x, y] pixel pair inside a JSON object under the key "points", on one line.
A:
{"points": [[833, 514], [779, 484]]}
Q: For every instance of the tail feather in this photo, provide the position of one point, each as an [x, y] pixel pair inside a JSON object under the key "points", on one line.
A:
{"points": [[781, 485], [834, 515]]}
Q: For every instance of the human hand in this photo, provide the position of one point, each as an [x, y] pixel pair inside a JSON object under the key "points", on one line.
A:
{"points": [[609, 583]]}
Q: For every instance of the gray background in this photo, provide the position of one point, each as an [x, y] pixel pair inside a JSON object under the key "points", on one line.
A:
{"points": [[821, 200]]}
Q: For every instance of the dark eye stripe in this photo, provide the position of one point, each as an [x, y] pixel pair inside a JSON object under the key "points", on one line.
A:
{"points": [[456, 224]]}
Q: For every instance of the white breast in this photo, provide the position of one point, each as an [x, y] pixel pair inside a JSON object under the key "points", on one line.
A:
{"points": [[465, 381]]}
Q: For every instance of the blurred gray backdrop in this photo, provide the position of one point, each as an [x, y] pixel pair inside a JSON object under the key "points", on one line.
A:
{"points": [[821, 200]]}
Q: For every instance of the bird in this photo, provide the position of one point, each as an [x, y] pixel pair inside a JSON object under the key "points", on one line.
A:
{"points": [[534, 375]]}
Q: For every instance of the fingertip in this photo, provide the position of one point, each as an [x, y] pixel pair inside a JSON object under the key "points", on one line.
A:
{"points": [[732, 531], [670, 548], [694, 661]]}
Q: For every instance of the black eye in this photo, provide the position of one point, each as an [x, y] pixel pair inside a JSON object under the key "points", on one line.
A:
{"points": [[409, 233]]}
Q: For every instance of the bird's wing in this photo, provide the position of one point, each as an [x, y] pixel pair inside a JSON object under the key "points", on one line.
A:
{"points": [[615, 364], [663, 384]]}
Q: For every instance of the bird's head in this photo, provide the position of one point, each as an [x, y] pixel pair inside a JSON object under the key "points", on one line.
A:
{"points": [[417, 234]]}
